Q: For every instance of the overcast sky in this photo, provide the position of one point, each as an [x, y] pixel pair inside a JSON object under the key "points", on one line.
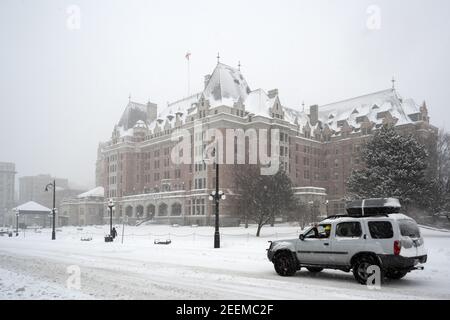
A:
{"points": [[64, 81]]}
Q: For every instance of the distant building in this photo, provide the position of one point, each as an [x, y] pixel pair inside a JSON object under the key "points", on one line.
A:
{"points": [[83, 210], [7, 180], [32, 188], [31, 214], [319, 147]]}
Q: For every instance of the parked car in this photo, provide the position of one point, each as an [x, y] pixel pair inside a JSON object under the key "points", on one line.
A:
{"points": [[368, 235]]}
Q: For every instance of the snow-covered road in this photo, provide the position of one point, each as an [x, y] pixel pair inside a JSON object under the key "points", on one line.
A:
{"points": [[34, 267]]}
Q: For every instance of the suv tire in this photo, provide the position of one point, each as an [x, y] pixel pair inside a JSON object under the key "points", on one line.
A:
{"points": [[314, 269], [395, 274], [360, 268], [284, 264]]}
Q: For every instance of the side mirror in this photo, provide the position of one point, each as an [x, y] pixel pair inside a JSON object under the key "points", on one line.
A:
{"points": [[302, 237]]}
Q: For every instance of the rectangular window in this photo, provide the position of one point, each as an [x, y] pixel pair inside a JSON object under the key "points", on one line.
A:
{"points": [[409, 228], [349, 230], [380, 229]]}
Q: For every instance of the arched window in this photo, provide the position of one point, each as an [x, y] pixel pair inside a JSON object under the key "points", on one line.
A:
{"points": [[129, 211], [162, 209], [140, 211], [151, 211], [176, 209]]}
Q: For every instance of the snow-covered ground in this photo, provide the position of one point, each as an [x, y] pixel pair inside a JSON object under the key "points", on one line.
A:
{"points": [[34, 267]]}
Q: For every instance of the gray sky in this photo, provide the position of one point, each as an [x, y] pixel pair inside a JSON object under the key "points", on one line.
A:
{"points": [[63, 89]]}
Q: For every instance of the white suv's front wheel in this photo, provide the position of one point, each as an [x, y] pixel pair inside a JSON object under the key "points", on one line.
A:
{"points": [[284, 264]]}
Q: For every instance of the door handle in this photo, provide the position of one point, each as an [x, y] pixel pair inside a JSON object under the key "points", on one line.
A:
{"points": [[326, 244]]}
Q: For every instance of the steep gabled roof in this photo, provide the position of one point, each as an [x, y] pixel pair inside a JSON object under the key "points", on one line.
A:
{"points": [[132, 114], [225, 86]]}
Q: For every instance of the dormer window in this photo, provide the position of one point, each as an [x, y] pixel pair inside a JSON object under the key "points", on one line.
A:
{"points": [[341, 123]]}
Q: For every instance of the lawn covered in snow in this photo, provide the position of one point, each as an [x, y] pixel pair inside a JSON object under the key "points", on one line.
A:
{"points": [[32, 266]]}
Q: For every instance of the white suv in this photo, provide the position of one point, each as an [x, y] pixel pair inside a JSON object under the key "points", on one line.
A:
{"points": [[370, 235]]}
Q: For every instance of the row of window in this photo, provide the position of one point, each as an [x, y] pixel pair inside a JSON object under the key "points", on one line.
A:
{"points": [[377, 230]]}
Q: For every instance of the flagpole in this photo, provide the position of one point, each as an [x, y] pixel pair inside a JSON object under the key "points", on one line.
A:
{"points": [[189, 77], [188, 56]]}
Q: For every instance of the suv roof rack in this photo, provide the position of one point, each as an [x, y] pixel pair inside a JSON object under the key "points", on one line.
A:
{"points": [[373, 207]]}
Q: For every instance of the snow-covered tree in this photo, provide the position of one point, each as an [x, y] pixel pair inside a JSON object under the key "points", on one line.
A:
{"points": [[262, 197], [395, 166], [439, 198]]}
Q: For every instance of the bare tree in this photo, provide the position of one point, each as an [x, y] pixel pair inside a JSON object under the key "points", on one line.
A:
{"points": [[262, 197]]}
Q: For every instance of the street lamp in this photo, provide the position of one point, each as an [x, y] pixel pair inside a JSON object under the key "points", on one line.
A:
{"points": [[53, 187], [17, 221], [110, 206], [216, 196]]}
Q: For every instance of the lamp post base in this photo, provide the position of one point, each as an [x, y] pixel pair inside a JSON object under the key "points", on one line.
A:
{"points": [[216, 239], [53, 235]]}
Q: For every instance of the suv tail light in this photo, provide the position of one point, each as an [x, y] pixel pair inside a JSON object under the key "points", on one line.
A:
{"points": [[397, 247]]}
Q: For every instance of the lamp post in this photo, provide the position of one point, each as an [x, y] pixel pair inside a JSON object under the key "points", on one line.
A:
{"points": [[110, 206], [53, 187], [326, 204], [216, 196], [17, 221], [5, 213]]}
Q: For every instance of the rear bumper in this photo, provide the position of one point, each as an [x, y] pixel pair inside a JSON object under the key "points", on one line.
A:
{"points": [[391, 262]]}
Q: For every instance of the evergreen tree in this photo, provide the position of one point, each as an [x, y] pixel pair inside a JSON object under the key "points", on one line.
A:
{"points": [[395, 167]]}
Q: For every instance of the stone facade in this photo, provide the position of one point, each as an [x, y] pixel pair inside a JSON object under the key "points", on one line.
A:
{"points": [[318, 149], [86, 209]]}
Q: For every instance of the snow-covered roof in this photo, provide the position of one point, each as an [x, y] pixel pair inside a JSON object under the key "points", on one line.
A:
{"points": [[32, 206], [96, 192], [132, 114], [258, 103], [368, 106], [225, 86]]}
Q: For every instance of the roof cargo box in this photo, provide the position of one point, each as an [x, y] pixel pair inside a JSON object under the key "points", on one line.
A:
{"points": [[373, 207]]}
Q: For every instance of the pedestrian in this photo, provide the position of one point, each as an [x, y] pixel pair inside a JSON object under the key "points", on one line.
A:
{"points": [[114, 232]]}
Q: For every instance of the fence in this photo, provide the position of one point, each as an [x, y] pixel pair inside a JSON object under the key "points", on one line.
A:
{"points": [[193, 235]]}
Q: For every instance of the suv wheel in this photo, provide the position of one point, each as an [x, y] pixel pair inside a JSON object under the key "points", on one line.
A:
{"points": [[314, 269], [395, 274], [360, 268], [284, 264]]}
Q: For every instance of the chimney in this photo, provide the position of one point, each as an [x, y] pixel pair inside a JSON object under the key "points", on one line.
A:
{"points": [[207, 77], [272, 93], [314, 114]]}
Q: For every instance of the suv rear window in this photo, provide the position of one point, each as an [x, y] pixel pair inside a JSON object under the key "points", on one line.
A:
{"points": [[409, 228], [380, 229], [348, 230]]}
